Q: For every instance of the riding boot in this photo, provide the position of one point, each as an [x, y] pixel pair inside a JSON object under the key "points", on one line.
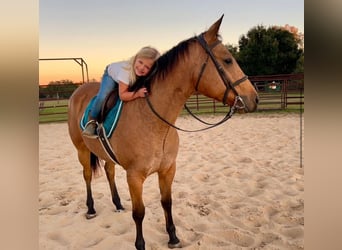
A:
{"points": [[89, 130]]}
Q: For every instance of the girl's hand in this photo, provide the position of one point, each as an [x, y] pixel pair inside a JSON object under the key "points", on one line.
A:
{"points": [[141, 92]]}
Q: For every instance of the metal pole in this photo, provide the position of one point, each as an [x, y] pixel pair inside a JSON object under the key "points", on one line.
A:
{"points": [[76, 59], [301, 129]]}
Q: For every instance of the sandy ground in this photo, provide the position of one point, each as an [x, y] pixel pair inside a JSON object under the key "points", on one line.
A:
{"points": [[237, 186]]}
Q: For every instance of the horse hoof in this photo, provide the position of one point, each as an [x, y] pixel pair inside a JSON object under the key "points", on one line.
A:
{"points": [[177, 245], [119, 210], [90, 216]]}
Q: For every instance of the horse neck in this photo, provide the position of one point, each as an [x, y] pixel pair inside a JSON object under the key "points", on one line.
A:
{"points": [[168, 96]]}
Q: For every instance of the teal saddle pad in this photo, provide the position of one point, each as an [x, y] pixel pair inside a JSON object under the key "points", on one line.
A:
{"points": [[111, 119]]}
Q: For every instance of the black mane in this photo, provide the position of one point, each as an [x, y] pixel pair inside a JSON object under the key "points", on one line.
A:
{"points": [[163, 65]]}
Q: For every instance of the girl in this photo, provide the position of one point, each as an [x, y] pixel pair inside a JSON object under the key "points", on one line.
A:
{"points": [[123, 73]]}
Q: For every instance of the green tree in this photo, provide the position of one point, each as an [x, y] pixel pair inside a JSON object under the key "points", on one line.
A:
{"points": [[267, 51], [300, 65]]}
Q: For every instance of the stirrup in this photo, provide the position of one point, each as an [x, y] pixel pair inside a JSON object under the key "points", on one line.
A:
{"points": [[91, 134]]}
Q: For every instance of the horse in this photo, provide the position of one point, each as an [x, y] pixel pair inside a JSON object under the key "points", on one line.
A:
{"points": [[145, 140]]}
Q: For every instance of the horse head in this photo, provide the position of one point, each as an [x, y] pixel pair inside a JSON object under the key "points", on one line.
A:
{"points": [[220, 77]]}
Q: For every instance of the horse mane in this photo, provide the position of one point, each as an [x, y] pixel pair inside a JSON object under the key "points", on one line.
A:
{"points": [[164, 65]]}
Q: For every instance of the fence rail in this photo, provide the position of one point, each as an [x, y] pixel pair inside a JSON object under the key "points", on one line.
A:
{"points": [[276, 92]]}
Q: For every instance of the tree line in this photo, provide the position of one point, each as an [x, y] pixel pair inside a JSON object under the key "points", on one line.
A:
{"points": [[57, 89], [270, 51]]}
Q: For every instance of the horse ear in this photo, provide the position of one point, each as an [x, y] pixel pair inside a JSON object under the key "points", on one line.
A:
{"points": [[211, 33]]}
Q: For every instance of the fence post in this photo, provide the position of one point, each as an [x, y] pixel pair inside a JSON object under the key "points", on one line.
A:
{"points": [[283, 95]]}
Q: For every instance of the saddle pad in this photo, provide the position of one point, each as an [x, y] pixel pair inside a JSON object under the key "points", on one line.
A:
{"points": [[111, 119]]}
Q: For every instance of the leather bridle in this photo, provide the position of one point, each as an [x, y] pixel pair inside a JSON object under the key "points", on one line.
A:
{"points": [[238, 102], [229, 85]]}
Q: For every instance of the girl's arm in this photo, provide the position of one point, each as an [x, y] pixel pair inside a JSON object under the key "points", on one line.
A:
{"points": [[126, 95]]}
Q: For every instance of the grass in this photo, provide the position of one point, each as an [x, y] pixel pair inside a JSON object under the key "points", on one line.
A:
{"points": [[53, 111], [53, 118]]}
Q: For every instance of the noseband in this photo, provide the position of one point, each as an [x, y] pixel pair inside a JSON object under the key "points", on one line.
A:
{"points": [[239, 104]]}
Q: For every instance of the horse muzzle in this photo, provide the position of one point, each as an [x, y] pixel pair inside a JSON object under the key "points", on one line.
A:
{"points": [[244, 104]]}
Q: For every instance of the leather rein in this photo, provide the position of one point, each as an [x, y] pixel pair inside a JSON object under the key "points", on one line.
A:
{"points": [[238, 102]]}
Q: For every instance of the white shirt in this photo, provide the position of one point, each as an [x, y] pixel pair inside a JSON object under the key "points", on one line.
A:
{"points": [[118, 71]]}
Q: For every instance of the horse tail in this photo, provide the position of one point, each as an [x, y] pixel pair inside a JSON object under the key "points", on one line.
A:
{"points": [[94, 162]]}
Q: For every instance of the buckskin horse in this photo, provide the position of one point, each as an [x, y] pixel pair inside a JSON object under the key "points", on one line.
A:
{"points": [[145, 140]]}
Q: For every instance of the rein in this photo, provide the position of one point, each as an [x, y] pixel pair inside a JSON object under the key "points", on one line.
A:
{"points": [[228, 116], [238, 102]]}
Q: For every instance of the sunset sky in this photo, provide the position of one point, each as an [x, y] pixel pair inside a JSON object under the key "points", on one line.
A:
{"points": [[105, 31]]}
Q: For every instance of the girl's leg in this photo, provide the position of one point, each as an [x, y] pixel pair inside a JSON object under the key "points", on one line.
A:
{"points": [[107, 85]]}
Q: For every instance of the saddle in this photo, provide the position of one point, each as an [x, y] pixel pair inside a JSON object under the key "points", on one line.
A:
{"points": [[109, 114]]}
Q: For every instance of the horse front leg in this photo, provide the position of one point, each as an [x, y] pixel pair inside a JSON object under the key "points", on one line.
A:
{"points": [[110, 172], [165, 183], [135, 183]]}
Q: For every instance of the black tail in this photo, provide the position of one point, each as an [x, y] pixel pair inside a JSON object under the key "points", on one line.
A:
{"points": [[94, 162]]}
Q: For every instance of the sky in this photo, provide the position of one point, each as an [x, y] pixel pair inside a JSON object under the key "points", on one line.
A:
{"points": [[106, 31]]}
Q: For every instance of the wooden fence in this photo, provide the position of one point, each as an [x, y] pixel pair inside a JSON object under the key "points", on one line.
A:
{"points": [[276, 92], [280, 92]]}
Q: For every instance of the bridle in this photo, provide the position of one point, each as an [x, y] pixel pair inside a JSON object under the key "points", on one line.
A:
{"points": [[238, 102], [229, 85]]}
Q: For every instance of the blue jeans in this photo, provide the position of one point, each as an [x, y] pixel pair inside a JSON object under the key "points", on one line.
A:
{"points": [[107, 85]]}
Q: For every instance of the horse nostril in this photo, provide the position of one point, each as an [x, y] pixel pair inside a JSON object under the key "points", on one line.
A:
{"points": [[257, 100]]}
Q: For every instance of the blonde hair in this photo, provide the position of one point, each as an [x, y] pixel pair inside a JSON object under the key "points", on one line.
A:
{"points": [[145, 52]]}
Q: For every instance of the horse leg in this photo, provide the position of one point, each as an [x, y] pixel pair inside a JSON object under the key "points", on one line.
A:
{"points": [[135, 183], [110, 172], [165, 183], [84, 158]]}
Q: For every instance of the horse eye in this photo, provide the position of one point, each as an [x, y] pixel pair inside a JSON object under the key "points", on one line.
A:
{"points": [[228, 61]]}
